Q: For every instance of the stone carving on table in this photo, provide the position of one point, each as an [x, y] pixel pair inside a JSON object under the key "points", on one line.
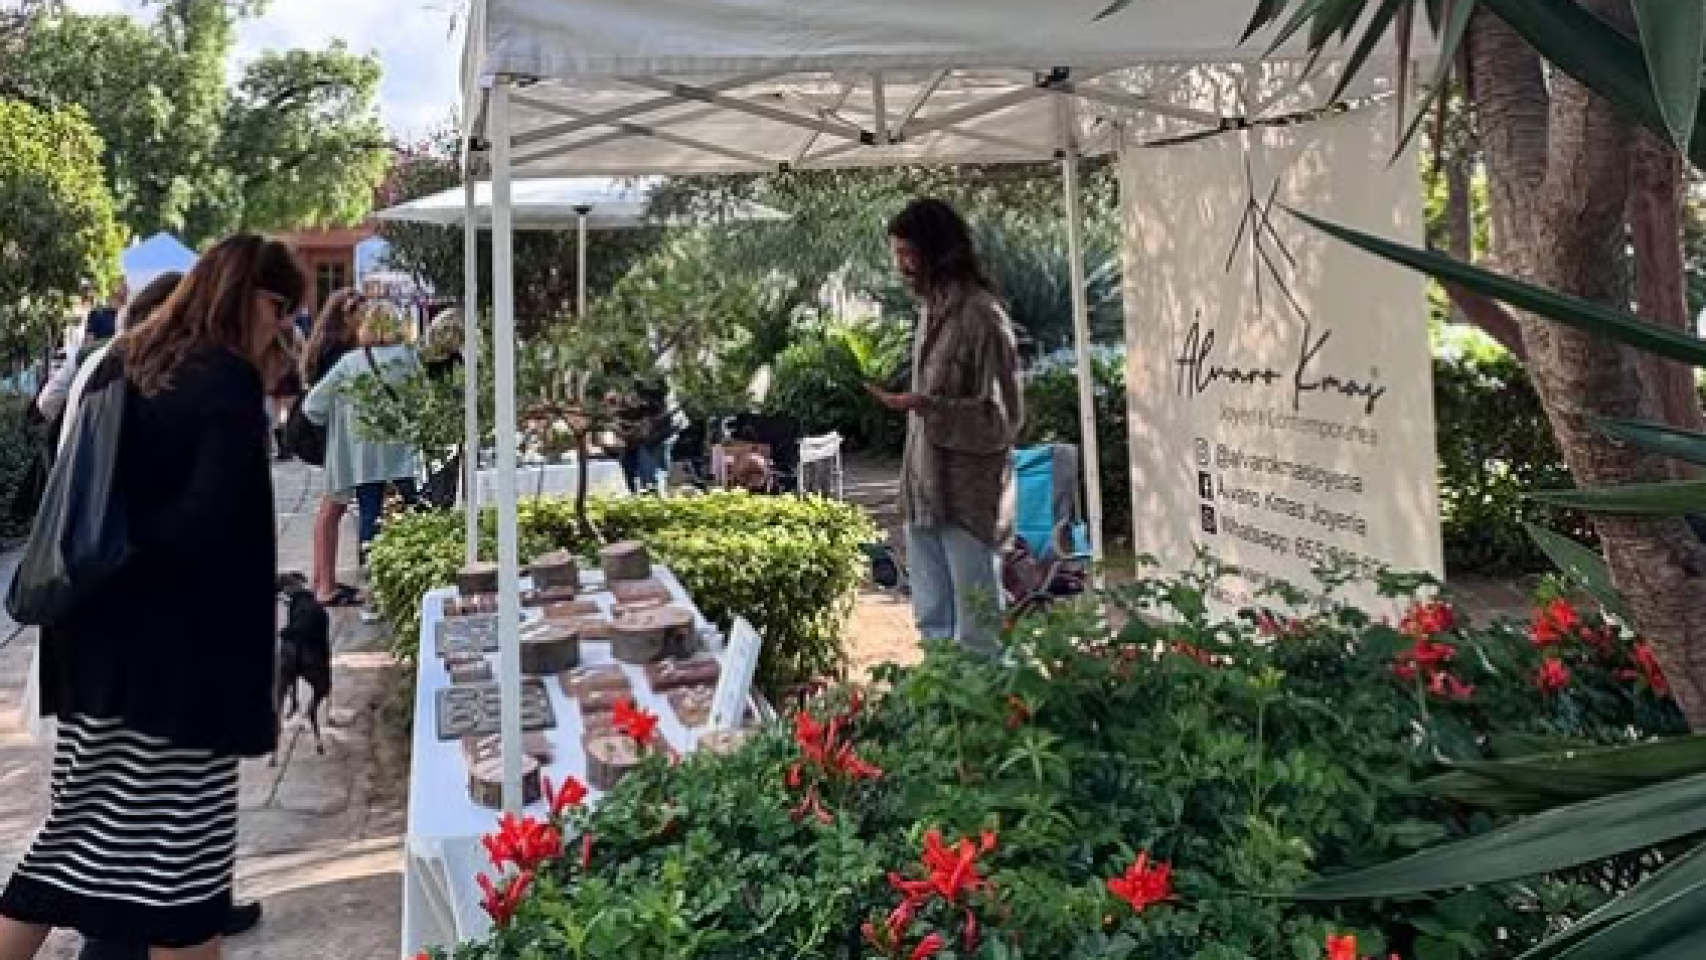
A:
{"points": [[473, 605], [723, 741], [613, 752], [632, 592], [486, 782], [477, 578], [572, 610], [600, 678], [692, 705], [465, 668], [472, 710], [666, 675], [548, 649], [624, 562], [647, 635], [534, 743], [470, 634]]}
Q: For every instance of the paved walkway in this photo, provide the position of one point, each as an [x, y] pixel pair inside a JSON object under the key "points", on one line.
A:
{"points": [[321, 835]]}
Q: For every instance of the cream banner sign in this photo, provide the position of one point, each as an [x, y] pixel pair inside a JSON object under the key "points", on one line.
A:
{"points": [[1280, 382]]}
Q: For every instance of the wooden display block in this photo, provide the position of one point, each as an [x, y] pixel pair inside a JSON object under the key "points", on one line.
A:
{"points": [[640, 591], [723, 741], [605, 678], [625, 561], [486, 782], [533, 742], [548, 649], [556, 571], [477, 578], [572, 610], [466, 668], [648, 635]]}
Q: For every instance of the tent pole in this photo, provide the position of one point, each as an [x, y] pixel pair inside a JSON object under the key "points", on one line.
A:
{"points": [[580, 264], [471, 362], [503, 350], [1092, 459]]}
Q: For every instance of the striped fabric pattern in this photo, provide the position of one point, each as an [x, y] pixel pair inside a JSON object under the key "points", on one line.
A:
{"points": [[135, 821]]}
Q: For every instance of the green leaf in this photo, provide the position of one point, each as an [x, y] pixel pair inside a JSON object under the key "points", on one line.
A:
{"points": [[1556, 840], [1303, 15], [1372, 36], [1266, 12], [1558, 307], [1598, 56], [1116, 7], [1678, 877], [1668, 930], [1673, 35], [1671, 499], [1684, 445], [1577, 775], [1584, 567]]}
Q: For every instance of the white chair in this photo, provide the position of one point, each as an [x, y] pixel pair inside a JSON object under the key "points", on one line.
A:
{"points": [[820, 455]]}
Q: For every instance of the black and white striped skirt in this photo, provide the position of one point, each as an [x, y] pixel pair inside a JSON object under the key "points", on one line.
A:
{"points": [[140, 844]]}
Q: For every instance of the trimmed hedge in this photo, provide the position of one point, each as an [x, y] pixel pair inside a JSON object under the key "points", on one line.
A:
{"points": [[17, 449], [791, 566]]}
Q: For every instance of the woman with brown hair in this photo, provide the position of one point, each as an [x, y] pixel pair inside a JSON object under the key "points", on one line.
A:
{"points": [[335, 334], [157, 701]]}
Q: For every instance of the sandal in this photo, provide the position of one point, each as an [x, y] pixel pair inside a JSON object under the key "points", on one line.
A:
{"points": [[343, 596]]}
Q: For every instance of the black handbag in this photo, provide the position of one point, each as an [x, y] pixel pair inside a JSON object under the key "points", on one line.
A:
{"points": [[80, 538], [303, 438]]}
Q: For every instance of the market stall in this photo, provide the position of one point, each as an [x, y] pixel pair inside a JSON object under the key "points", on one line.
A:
{"points": [[454, 770]]}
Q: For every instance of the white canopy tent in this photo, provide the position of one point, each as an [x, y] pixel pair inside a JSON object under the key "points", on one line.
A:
{"points": [[611, 87]]}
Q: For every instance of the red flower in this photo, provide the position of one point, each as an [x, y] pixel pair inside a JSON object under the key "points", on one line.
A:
{"points": [[968, 936], [1143, 885], [1647, 663], [524, 842], [1553, 622], [1194, 652], [814, 806], [953, 870], [1018, 711], [637, 724], [572, 794], [1553, 676], [1429, 619], [1448, 687], [502, 904], [1341, 947], [586, 852], [928, 947]]}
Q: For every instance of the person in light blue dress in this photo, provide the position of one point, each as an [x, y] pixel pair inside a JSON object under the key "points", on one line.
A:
{"points": [[359, 468]]}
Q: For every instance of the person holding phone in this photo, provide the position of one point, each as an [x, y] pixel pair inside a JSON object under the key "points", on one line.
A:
{"points": [[964, 410]]}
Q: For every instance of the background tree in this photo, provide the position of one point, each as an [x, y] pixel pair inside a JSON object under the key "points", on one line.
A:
{"points": [[58, 230], [300, 144], [296, 144]]}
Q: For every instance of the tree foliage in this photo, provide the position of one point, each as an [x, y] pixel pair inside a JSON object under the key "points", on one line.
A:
{"points": [[295, 144], [58, 229]]}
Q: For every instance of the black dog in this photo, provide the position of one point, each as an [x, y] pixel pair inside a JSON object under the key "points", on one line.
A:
{"points": [[304, 652]]}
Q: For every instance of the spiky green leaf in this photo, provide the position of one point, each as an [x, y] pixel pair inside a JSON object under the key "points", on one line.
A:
{"points": [[1561, 308], [1684, 445], [1673, 36], [1671, 499], [1584, 567]]}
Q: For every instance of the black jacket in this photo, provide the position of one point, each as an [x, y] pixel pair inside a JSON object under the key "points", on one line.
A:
{"points": [[181, 643]]}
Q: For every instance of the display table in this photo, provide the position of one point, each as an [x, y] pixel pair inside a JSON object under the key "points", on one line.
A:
{"points": [[559, 480], [442, 854]]}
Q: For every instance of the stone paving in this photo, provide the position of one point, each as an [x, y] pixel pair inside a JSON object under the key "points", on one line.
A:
{"points": [[321, 835]]}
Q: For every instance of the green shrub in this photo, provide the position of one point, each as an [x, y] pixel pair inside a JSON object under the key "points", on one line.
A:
{"points": [[17, 449], [1249, 754], [820, 380], [791, 566], [1495, 446]]}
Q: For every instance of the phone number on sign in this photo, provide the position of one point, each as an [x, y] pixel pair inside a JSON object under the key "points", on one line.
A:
{"points": [[1319, 554]]}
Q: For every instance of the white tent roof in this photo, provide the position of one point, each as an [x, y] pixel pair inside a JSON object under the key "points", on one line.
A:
{"points": [[721, 86], [554, 203]]}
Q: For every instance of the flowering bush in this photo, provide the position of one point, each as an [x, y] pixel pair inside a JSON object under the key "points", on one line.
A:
{"points": [[1146, 791]]}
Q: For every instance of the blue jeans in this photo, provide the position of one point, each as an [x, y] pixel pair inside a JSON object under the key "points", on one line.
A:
{"points": [[956, 587], [370, 506], [646, 467]]}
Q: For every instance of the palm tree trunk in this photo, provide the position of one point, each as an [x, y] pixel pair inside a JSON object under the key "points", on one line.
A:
{"points": [[1558, 160]]}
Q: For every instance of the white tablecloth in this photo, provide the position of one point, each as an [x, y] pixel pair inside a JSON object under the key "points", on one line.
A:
{"points": [[559, 480], [441, 901]]}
